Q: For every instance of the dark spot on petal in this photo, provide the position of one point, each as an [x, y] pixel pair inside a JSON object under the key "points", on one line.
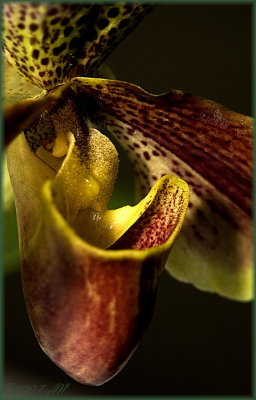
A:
{"points": [[45, 61], [33, 27], [82, 20], [55, 21], [58, 72], [21, 26], [35, 54], [74, 43], [103, 23], [68, 30], [188, 174], [20, 38], [64, 22], [143, 111], [91, 34], [112, 31], [32, 68], [113, 12], [146, 155], [123, 23], [52, 11], [57, 50], [41, 74]]}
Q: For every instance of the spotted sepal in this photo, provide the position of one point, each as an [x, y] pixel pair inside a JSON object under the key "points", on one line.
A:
{"points": [[49, 42], [207, 145]]}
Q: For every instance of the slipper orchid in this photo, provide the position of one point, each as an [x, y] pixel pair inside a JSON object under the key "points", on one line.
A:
{"points": [[90, 274]]}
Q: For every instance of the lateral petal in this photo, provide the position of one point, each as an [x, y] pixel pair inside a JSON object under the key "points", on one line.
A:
{"points": [[207, 145]]}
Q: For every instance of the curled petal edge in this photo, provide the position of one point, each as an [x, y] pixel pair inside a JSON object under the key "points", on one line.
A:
{"points": [[89, 307]]}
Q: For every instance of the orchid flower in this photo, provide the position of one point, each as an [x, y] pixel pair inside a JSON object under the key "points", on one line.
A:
{"points": [[90, 274]]}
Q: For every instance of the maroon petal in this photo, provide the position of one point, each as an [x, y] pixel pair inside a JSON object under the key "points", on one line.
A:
{"points": [[207, 145]]}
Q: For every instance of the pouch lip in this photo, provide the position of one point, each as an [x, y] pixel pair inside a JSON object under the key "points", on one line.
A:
{"points": [[49, 208]]}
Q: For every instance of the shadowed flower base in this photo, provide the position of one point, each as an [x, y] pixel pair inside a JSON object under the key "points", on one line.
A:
{"points": [[89, 274]]}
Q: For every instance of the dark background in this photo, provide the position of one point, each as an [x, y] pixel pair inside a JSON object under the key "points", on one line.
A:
{"points": [[198, 343]]}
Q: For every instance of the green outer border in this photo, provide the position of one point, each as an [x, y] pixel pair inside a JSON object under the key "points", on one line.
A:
{"points": [[254, 193], [174, 2], [1, 230], [134, 398]]}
